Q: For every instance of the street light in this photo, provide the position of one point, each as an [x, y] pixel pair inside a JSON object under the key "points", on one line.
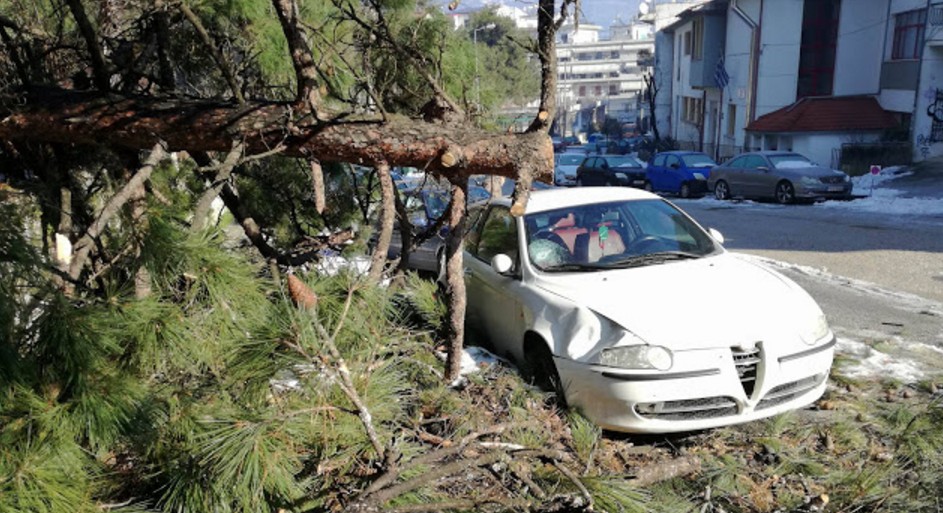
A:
{"points": [[487, 26]]}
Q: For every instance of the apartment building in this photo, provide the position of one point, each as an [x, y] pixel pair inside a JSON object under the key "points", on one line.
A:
{"points": [[600, 77], [811, 76]]}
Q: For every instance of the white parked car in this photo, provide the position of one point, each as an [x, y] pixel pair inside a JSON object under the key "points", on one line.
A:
{"points": [[633, 313]]}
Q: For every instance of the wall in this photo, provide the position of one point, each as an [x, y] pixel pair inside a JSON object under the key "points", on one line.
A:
{"points": [[820, 147], [737, 61], [859, 54], [664, 63], [931, 78], [779, 57]]}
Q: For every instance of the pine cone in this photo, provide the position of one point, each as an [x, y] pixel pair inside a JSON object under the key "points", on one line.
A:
{"points": [[301, 294]]}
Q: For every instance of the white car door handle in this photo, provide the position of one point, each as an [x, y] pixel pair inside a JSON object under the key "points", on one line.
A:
{"points": [[466, 272]]}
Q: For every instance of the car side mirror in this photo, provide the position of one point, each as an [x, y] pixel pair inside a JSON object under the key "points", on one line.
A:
{"points": [[719, 237], [502, 264]]}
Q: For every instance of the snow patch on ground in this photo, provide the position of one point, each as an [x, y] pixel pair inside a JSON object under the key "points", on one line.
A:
{"points": [[474, 359], [867, 361]]}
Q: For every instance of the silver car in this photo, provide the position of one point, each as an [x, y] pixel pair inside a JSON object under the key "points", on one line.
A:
{"points": [[783, 176]]}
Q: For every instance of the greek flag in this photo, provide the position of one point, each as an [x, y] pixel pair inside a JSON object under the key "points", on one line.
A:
{"points": [[721, 78]]}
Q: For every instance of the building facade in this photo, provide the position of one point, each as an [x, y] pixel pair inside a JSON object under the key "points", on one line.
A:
{"points": [[865, 71], [600, 77]]}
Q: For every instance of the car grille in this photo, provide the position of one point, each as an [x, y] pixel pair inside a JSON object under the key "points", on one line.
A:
{"points": [[789, 391], [832, 179], [689, 409], [747, 361]]}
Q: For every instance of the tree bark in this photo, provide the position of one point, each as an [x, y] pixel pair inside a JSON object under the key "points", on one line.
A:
{"points": [[454, 151], [317, 185], [387, 217], [203, 205], [455, 278]]}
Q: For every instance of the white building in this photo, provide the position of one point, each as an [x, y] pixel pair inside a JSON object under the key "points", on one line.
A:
{"points": [[813, 76], [599, 77]]}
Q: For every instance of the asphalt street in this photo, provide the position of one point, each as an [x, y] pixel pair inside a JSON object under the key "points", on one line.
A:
{"points": [[876, 277]]}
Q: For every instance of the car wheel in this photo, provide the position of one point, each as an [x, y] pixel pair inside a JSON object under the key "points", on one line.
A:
{"points": [[541, 370], [685, 190], [785, 193], [722, 190], [648, 186]]}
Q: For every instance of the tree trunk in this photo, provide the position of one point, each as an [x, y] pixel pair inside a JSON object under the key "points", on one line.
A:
{"points": [[453, 150], [387, 217], [455, 281]]}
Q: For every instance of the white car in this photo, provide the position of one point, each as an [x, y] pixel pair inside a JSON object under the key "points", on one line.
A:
{"points": [[633, 313], [564, 168]]}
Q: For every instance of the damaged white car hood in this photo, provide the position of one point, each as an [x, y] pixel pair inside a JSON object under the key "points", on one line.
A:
{"points": [[716, 301]]}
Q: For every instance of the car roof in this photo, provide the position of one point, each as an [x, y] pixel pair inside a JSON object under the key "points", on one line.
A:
{"points": [[560, 197], [681, 152]]}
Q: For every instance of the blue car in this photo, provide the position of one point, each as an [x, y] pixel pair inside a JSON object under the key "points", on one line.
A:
{"points": [[683, 173]]}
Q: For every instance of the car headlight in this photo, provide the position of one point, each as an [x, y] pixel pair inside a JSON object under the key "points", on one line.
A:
{"points": [[847, 178], [637, 357], [699, 176], [814, 329], [808, 180], [622, 176]]}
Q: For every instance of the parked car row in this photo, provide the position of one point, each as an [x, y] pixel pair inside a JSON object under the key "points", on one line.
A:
{"points": [[785, 177]]}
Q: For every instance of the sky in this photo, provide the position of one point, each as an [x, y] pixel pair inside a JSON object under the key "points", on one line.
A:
{"points": [[604, 12]]}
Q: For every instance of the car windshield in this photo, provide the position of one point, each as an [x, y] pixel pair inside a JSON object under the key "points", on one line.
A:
{"points": [[570, 159], [623, 162], [790, 161], [698, 160], [617, 235]]}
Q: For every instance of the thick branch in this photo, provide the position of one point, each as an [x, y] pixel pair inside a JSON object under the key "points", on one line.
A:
{"points": [[317, 185], [165, 74], [85, 244], [136, 123], [546, 51], [217, 56], [387, 216], [455, 281], [99, 66], [306, 74], [203, 205]]}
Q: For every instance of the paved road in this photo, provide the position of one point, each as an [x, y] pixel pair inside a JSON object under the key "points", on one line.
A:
{"points": [[902, 253]]}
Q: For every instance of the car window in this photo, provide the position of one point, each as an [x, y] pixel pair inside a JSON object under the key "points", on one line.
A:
{"points": [[738, 163], [659, 160], [498, 235], [569, 159], [672, 160], [474, 220], [623, 162], [756, 161], [790, 161], [597, 236], [657, 218], [698, 160]]}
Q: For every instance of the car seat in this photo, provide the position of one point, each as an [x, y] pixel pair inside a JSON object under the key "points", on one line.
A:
{"points": [[595, 243]]}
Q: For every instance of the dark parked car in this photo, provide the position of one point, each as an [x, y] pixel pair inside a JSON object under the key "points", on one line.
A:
{"points": [[611, 170], [784, 176], [683, 173]]}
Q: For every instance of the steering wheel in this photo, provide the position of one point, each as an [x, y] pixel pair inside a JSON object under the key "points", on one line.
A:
{"points": [[546, 234], [646, 244]]}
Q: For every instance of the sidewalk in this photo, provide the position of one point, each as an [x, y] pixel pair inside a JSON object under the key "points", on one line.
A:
{"points": [[909, 191]]}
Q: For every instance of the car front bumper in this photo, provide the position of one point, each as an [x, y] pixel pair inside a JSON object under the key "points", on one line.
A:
{"points": [[842, 190], [704, 389]]}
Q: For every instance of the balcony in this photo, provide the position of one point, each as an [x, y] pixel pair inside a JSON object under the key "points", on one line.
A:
{"points": [[935, 25]]}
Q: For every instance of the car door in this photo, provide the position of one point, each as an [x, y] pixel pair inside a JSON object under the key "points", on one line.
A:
{"points": [[656, 170], [755, 177], [672, 177], [733, 173], [767, 178], [494, 300]]}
